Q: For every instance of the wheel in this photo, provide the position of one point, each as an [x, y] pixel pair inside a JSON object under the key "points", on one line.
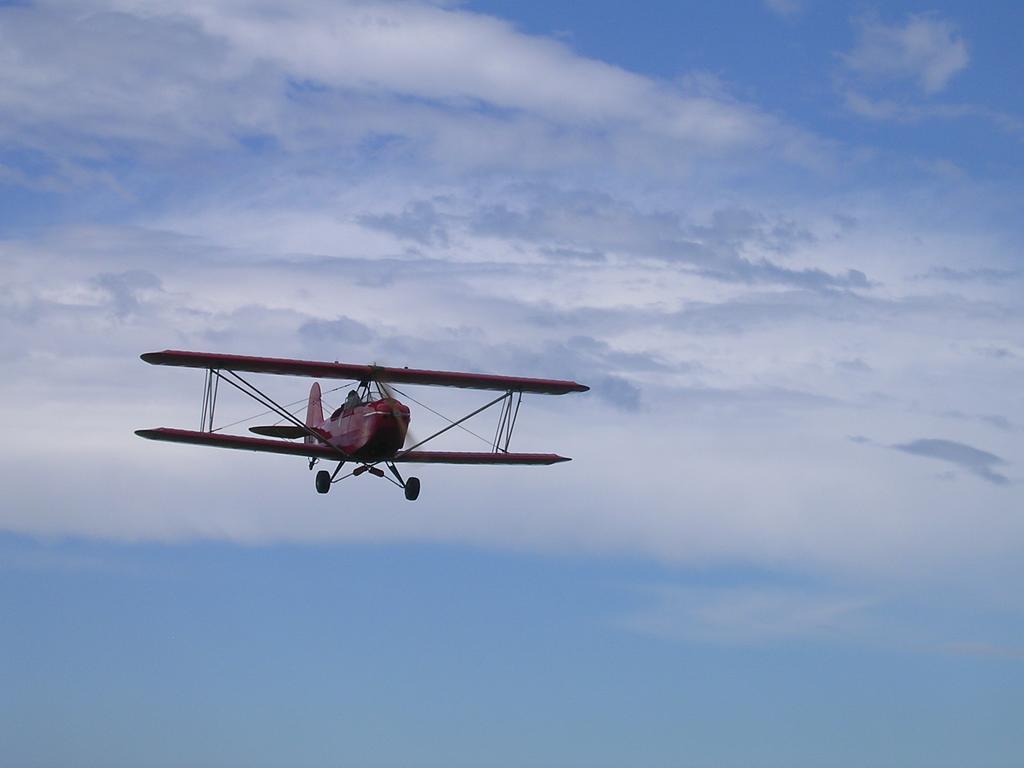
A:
{"points": [[323, 481], [412, 488]]}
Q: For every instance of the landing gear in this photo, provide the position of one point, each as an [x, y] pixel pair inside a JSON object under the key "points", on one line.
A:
{"points": [[410, 486]]}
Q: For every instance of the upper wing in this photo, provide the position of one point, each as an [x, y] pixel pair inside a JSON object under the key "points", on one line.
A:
{"points": [[321, 451], [322, 370]]}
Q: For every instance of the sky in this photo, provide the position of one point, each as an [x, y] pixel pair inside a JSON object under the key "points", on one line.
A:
{"points": [[778, 239]]}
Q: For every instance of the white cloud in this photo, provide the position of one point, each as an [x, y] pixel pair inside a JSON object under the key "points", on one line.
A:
{"points": [[743, 402], [889, 109], [459, 87], [745, 615], [784, 7], [722, 313], [427, 51], [925, 49]]}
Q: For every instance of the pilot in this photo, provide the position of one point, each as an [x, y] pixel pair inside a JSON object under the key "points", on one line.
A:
{"points": [[352, 400]]}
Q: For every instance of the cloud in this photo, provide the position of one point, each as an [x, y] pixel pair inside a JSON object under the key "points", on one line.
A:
{"points": [[413, 209], [418, 221], [925, 49], [709, 434], [574, 254], [338, 329], [985, 649], [889, 109], [855, 365], [759, 309], [419, 49], [609, 372], [414, 81], [731, 245], [34, 557], [968, 458], [787, 8], [734, 608], [974, 274], [992, 419], [745, 615], [127, 288]]}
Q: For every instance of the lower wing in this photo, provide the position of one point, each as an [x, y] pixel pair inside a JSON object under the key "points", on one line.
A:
{"points": [[322, 451]]}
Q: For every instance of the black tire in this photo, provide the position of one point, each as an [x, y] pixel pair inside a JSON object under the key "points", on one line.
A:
{"points": [[323, 481], [412, 488]]}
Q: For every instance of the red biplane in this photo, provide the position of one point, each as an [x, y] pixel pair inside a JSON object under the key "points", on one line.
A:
{"points": [[368, 429]]}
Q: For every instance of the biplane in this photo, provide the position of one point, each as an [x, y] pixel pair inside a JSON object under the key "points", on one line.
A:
{"points": [[371, 426]]}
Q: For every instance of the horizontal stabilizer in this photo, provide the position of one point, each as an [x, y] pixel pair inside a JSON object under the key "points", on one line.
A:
{"points": [[281, 430]]}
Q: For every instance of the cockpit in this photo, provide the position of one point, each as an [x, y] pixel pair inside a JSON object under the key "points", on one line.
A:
{"points": [[351, 402]]}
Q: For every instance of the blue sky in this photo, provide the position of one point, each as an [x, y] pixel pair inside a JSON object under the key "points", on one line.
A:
{"points": [[779, 239]]}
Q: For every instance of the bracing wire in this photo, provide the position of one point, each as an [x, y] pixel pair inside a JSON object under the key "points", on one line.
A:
{"points": [[438, 413], [299, 403]]}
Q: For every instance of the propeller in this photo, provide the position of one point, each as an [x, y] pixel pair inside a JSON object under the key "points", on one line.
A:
{"points": [[392, 403]]}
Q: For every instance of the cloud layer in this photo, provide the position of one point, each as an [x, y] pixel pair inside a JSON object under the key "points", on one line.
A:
{"points": [[419, 184]]}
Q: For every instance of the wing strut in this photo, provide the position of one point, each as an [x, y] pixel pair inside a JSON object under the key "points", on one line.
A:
{"points": [[506, 424], [246, 388], [209, 400]]}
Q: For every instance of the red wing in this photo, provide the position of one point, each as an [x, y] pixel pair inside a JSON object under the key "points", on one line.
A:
{"points": [[218, 440], [321, 451], [322, 370], [456, 457]]}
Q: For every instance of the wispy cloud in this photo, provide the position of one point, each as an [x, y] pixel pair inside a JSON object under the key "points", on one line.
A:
{"points": [[787, 8], [418, 221], [423, 80], [731, 244], [905, 112], [925, 49], [126, 289], [966, 457], [985, 649], [974, 274], [745, 615]]}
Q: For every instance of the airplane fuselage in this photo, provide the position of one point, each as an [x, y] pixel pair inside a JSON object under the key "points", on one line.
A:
{"points": [[368, 431]]}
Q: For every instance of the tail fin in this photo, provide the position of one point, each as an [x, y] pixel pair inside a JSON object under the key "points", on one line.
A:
{"points": [[315, 409]]}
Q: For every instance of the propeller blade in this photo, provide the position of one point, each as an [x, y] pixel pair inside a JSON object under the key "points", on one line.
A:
{"points": [[392, 401]]}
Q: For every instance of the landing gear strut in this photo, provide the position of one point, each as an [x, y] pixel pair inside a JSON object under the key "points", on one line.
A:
{"points": [[410, 486]]}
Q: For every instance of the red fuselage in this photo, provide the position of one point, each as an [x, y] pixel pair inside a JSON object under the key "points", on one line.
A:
{"points": [[369, 431]]}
